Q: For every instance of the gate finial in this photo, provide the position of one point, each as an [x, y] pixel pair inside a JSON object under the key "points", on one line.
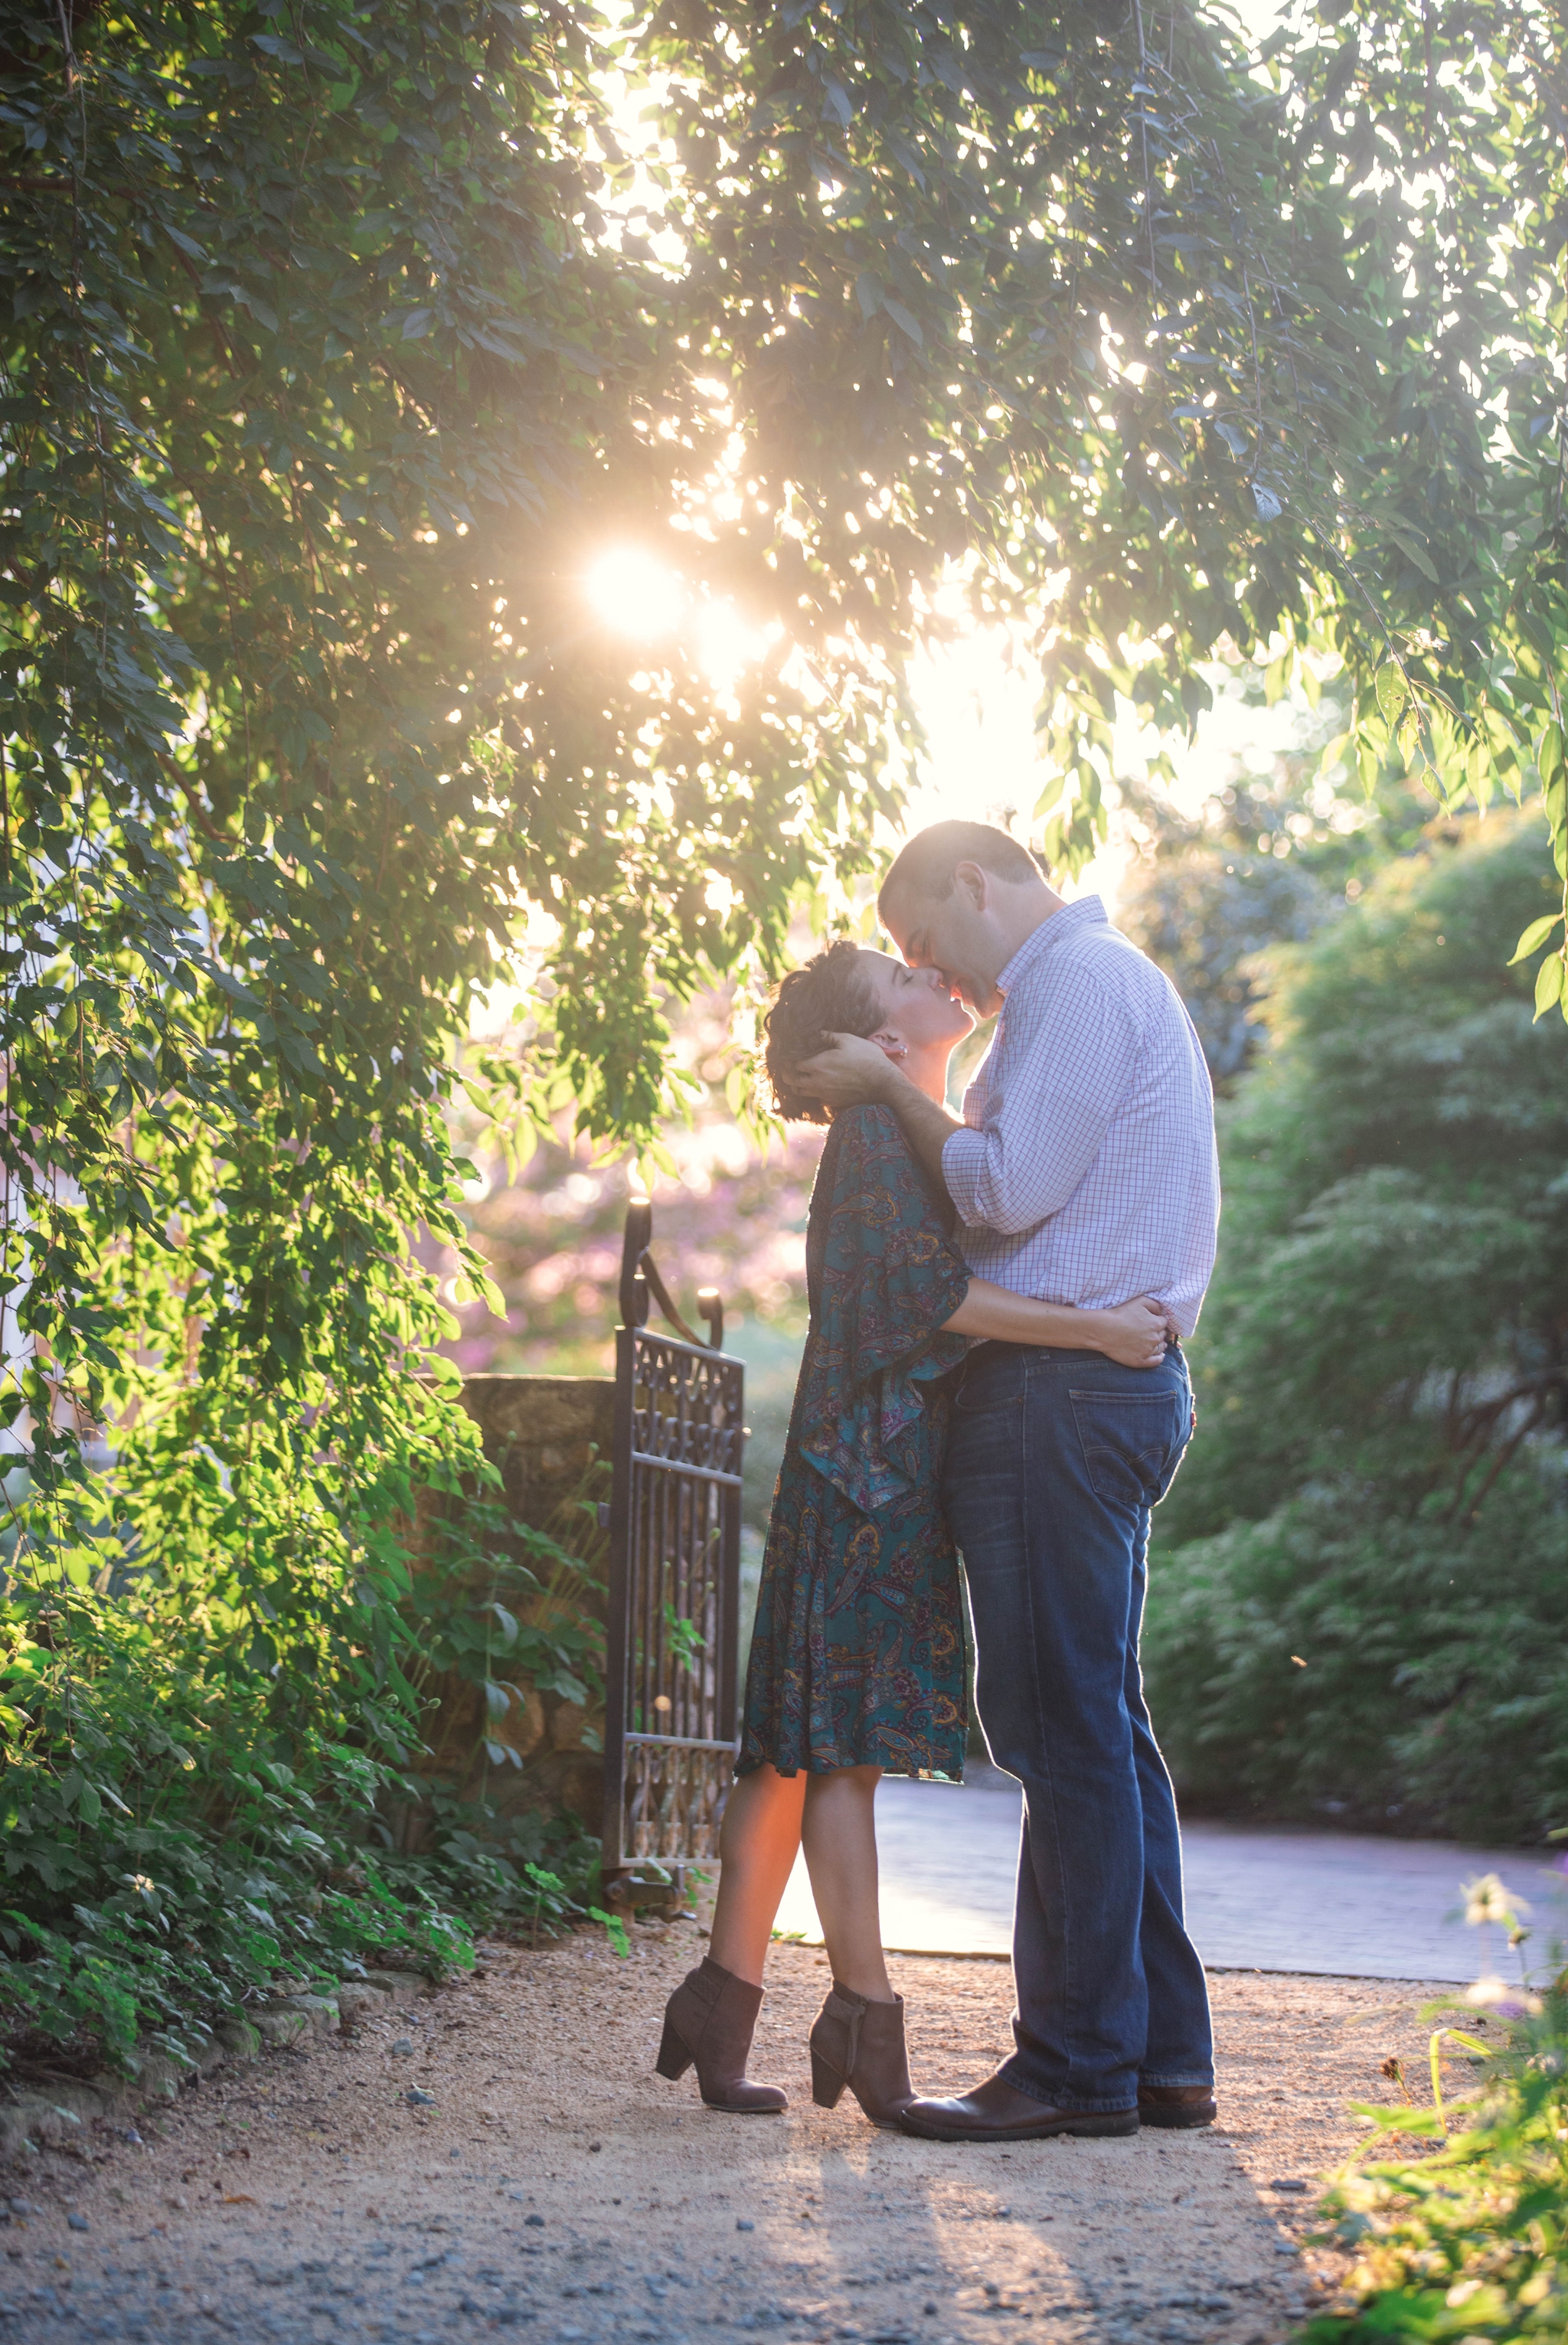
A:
{"points": [[640, 1280], [634, 1285]]}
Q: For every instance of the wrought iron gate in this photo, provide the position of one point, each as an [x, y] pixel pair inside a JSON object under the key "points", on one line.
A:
{"points": [[675, 1578]]}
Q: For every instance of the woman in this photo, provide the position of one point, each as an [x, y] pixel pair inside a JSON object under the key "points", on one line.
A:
{"points": [[857, 1665]]}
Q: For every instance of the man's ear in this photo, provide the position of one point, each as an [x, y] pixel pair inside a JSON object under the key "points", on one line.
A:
{"points": [[976, 881]]}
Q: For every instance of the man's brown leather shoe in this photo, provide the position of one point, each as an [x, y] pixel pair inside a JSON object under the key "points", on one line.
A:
{"points": [[1176, 2105], [997, 2111]]}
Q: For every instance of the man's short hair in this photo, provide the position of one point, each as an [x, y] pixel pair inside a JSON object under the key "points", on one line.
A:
{"points": [[926, 868]]}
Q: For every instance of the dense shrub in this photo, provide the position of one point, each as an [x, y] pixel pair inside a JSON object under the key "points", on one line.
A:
{"points": [[1434, 1694], [184, 1822], [1376, 1486]]}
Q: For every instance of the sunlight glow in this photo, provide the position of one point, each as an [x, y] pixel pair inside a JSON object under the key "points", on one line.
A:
{"points": [[977, 698], [729, 643], [633, 594], [640, 597]]}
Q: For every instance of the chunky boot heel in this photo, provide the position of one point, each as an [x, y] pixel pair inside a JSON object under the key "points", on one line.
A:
{"points": [[710, 2019], [827, 2085], [673, 2059], [861, 2044]]}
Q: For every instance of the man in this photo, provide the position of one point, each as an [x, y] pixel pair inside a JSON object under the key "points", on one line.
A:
{"points": [[1084, 1172]]}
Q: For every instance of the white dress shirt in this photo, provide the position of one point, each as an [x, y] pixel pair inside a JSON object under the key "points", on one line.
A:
{"points": [[1086, 1172]]}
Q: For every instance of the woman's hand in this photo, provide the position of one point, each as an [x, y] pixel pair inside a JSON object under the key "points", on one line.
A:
{"points": [[1135, 1334]]}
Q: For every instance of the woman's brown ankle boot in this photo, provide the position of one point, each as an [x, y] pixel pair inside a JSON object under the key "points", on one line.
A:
{"points": [[861, 2044], [709, 2019]]}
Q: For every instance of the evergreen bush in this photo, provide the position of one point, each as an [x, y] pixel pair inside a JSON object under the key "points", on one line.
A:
{"points": [[1359, 1598]]}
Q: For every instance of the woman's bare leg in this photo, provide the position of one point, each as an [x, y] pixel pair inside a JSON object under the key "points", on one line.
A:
{"points": [[757, 1845], [839, 1836]]}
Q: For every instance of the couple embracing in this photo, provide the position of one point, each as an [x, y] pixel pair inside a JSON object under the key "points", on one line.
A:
{"points": [[994, 1366]]}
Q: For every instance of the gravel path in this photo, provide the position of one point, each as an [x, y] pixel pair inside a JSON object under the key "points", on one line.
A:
{"points": [[550, 2182]]}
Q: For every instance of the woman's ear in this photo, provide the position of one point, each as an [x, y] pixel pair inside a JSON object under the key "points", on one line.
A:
{"points": [[893, 1046]]}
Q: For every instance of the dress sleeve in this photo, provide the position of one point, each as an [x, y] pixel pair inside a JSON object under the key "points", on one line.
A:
{"points": [[889, 1276]]}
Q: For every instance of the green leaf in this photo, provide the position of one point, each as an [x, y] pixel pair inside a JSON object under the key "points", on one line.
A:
{"points": [[1535, 935], [1411, 545], [1549, 984], [1390, 688], [507, 1622], [614, 1929], [185, 244]]}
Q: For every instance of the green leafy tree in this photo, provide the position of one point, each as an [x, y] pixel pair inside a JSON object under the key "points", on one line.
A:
{"points": [[1168, 356], [1361, 1599], [1266, 859]]}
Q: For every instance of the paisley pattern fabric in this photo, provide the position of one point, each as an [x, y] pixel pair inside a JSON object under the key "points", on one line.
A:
{"points": [[857, 1656]]}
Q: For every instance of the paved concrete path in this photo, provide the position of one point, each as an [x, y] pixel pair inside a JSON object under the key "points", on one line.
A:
{"points": [[1340, 1904]]}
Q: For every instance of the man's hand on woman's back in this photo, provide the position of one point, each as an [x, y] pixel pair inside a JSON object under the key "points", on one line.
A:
{"points": [[1135, 1334]]}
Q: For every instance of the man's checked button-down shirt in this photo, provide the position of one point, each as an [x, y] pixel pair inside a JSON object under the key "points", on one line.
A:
{"points": [[1086, 1173]]}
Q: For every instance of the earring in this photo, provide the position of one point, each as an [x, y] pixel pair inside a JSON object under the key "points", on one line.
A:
{"points": [[894, 1050]]}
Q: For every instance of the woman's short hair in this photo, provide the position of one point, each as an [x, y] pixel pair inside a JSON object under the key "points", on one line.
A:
{"points": [[830, 994]]}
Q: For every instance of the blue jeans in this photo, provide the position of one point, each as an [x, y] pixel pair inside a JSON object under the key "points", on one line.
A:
{"points": [[1056, 1459]]}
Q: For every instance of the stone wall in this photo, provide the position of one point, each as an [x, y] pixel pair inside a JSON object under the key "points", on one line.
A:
{"points": [[550, 1438], [542, 1433]]}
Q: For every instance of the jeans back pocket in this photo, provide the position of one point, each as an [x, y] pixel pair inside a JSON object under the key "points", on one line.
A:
{"points": [[1132, 1442]]}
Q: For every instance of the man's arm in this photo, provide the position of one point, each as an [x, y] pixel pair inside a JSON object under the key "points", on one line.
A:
{"points": [[853, 1072]]}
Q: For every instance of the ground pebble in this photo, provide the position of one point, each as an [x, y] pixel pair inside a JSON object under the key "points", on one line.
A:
{"points": [[742, 2223]]}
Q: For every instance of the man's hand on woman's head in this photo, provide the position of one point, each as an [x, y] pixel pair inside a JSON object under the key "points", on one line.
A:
{"points": [[852, 1072]]}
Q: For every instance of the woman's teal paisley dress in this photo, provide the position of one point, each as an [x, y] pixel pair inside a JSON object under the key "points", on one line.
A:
{"points": [[857, 1657]]}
